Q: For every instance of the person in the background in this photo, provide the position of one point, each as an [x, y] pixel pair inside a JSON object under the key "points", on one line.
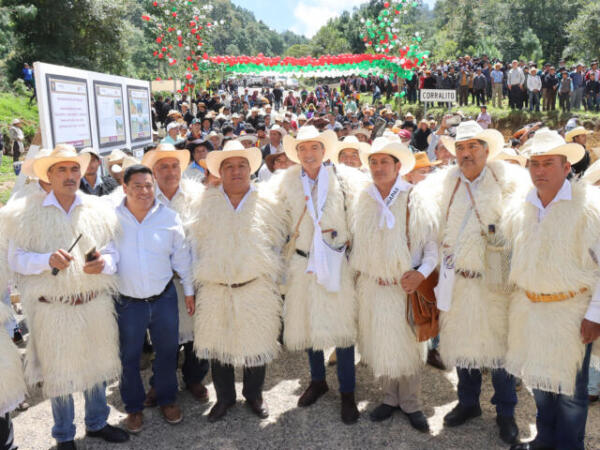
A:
{"points": [[419, 137], [28, 76], [497, 77], [534, 87], [484, 119], [578, 135], [91, 182], [172, 134], [16, 135]]}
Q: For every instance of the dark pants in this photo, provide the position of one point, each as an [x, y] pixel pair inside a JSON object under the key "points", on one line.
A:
{"points": [[564, 99], [193, 369], [549, 99], [161, 318], [479, 96], [345, 367], [16, 151], [6, 433], [223, 376], [561, 418], [463, 95], [505, 395], [515, 96]]}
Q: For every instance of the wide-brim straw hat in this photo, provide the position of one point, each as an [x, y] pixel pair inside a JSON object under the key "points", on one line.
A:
{"points": [[163, 151], [577, 131], [509, 153], [310, 133], [233, 149], [591, 175], [394, 148], [27, 166], [546, 142], [116, 156], [469, 130], [270, 160], [362, 131], [60, 153], [279, 129], [422, 160], [349, 142], [128, 161]]}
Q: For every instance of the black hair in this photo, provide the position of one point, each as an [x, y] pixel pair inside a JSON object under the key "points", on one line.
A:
{"points": [[132, 170], [226, 129]]}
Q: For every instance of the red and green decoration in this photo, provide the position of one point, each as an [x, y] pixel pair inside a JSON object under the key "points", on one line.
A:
{"points": [[179, 29], [383, 34], [324, 66]]}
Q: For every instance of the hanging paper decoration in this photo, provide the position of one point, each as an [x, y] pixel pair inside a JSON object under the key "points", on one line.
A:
{"points": [[383, 33]]}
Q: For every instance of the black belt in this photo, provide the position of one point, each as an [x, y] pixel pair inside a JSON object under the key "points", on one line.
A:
{"points": [[301, 253], [238, 285], [148, 299]]}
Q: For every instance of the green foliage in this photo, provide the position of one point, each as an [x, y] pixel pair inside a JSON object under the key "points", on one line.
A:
{"points": [[299, 50], [584, 33]]}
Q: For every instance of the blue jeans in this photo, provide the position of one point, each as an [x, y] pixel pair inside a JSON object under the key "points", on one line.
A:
{"points": [[593, 102], [505, 395], [162, 319], [63, 411], [345, 367], [594, 382], [534, 101], [561, 418]]}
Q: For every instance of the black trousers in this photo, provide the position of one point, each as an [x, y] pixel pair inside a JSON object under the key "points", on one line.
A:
{"points": [[223, 376], [6, 433], [193, 369]]}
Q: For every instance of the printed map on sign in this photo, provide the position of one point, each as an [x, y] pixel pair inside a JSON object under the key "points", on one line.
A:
{"points": [[109, 113], [140, 124], [69, 113]]}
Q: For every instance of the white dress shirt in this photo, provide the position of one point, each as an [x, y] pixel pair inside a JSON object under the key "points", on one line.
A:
{"points": [[534, 83], [150, 251], [31, 263], [244, 198], [565, 194]]}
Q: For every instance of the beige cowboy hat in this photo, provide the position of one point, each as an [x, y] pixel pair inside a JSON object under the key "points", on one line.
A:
{"points": [[91, 151], [247, 137], [577, 131], [349, 142], [233, 149], [60, 153], [510, 154], [279, 129], [270, 160], [27, 166], [547, 142], [591, 175], [116, 156], [166, 151], [394, 148], [470, 129], [310, 133], [128, 161], [422, 160], [362, 131]]}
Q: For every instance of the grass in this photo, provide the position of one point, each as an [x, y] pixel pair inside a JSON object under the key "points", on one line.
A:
{"points": [[14, 106], [6, 175]]}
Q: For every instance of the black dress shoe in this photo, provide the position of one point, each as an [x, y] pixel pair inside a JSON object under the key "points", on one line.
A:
{"points": [[110, 434], [382, 412], [218, 411], [509, 431], [530, 446], [258, 407], [350, 412], [69, 445], [314, 390], [460, 414], [418, 421], [435, 360]]}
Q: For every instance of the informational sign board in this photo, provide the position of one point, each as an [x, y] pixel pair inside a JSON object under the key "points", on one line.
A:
{"points": [[91, 109], [438, 95]]}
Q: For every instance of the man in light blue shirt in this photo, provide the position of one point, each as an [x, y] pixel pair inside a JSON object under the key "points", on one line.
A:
{"points": [[153, 247]]}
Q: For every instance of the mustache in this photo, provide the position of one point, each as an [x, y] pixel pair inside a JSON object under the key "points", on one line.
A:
{"points": [[68, 182]]}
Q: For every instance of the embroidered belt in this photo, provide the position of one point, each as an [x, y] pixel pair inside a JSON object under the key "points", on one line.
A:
{"points": [[238, 285], [558, 297], [468, 274], [73, 300], [384, 282]]}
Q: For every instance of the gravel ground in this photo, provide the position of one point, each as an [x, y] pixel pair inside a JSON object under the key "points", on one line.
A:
{"points": [[289, 427]]}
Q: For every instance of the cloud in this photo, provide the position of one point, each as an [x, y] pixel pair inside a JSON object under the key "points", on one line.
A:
{"points": [[311, 15]]}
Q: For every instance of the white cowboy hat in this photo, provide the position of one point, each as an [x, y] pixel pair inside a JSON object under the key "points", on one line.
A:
{"points": [[163, 151], [15, 121], [548, 142], [116, 156], [470, 129], [591, 175], [233, 149], [279, 129], [394, 148], [60, 153], [128, 161], [310, 133], [509, 153], [247, 137], [27, 166], [349, 142], [577, 131], [91, 151], [362, 131]]}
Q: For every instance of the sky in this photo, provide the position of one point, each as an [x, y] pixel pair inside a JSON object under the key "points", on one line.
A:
{"points": [[300, 16]]}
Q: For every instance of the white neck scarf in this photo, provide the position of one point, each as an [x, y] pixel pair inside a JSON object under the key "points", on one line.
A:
{"points": [[317, 261], [385, 214]]}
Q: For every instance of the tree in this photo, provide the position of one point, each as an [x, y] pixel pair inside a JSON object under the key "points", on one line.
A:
{"points": [[299, 50], [584, 34], [329, 40]]}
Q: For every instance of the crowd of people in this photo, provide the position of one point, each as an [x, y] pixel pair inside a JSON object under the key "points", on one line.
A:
{"points": [[351, 217]]}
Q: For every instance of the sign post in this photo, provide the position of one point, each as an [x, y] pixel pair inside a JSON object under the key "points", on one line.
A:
{"points": [[447, 96]]}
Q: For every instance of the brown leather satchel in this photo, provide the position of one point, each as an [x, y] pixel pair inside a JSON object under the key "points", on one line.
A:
{"points": [[421, 307]]}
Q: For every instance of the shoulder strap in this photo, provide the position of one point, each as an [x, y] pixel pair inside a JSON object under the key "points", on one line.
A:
{"points": [[452, 197], [408, 218], [340, 183]]}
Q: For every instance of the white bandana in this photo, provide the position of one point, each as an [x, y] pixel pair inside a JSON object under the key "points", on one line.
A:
{"points": [[385, 214]]}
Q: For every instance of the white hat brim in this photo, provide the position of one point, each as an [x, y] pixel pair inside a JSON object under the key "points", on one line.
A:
{"points": [[362, 147], [215, 159], [576, 132], [573, 152], [397, 150], [153, 156], [494, 139], [327, 138], [42, 165]]}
